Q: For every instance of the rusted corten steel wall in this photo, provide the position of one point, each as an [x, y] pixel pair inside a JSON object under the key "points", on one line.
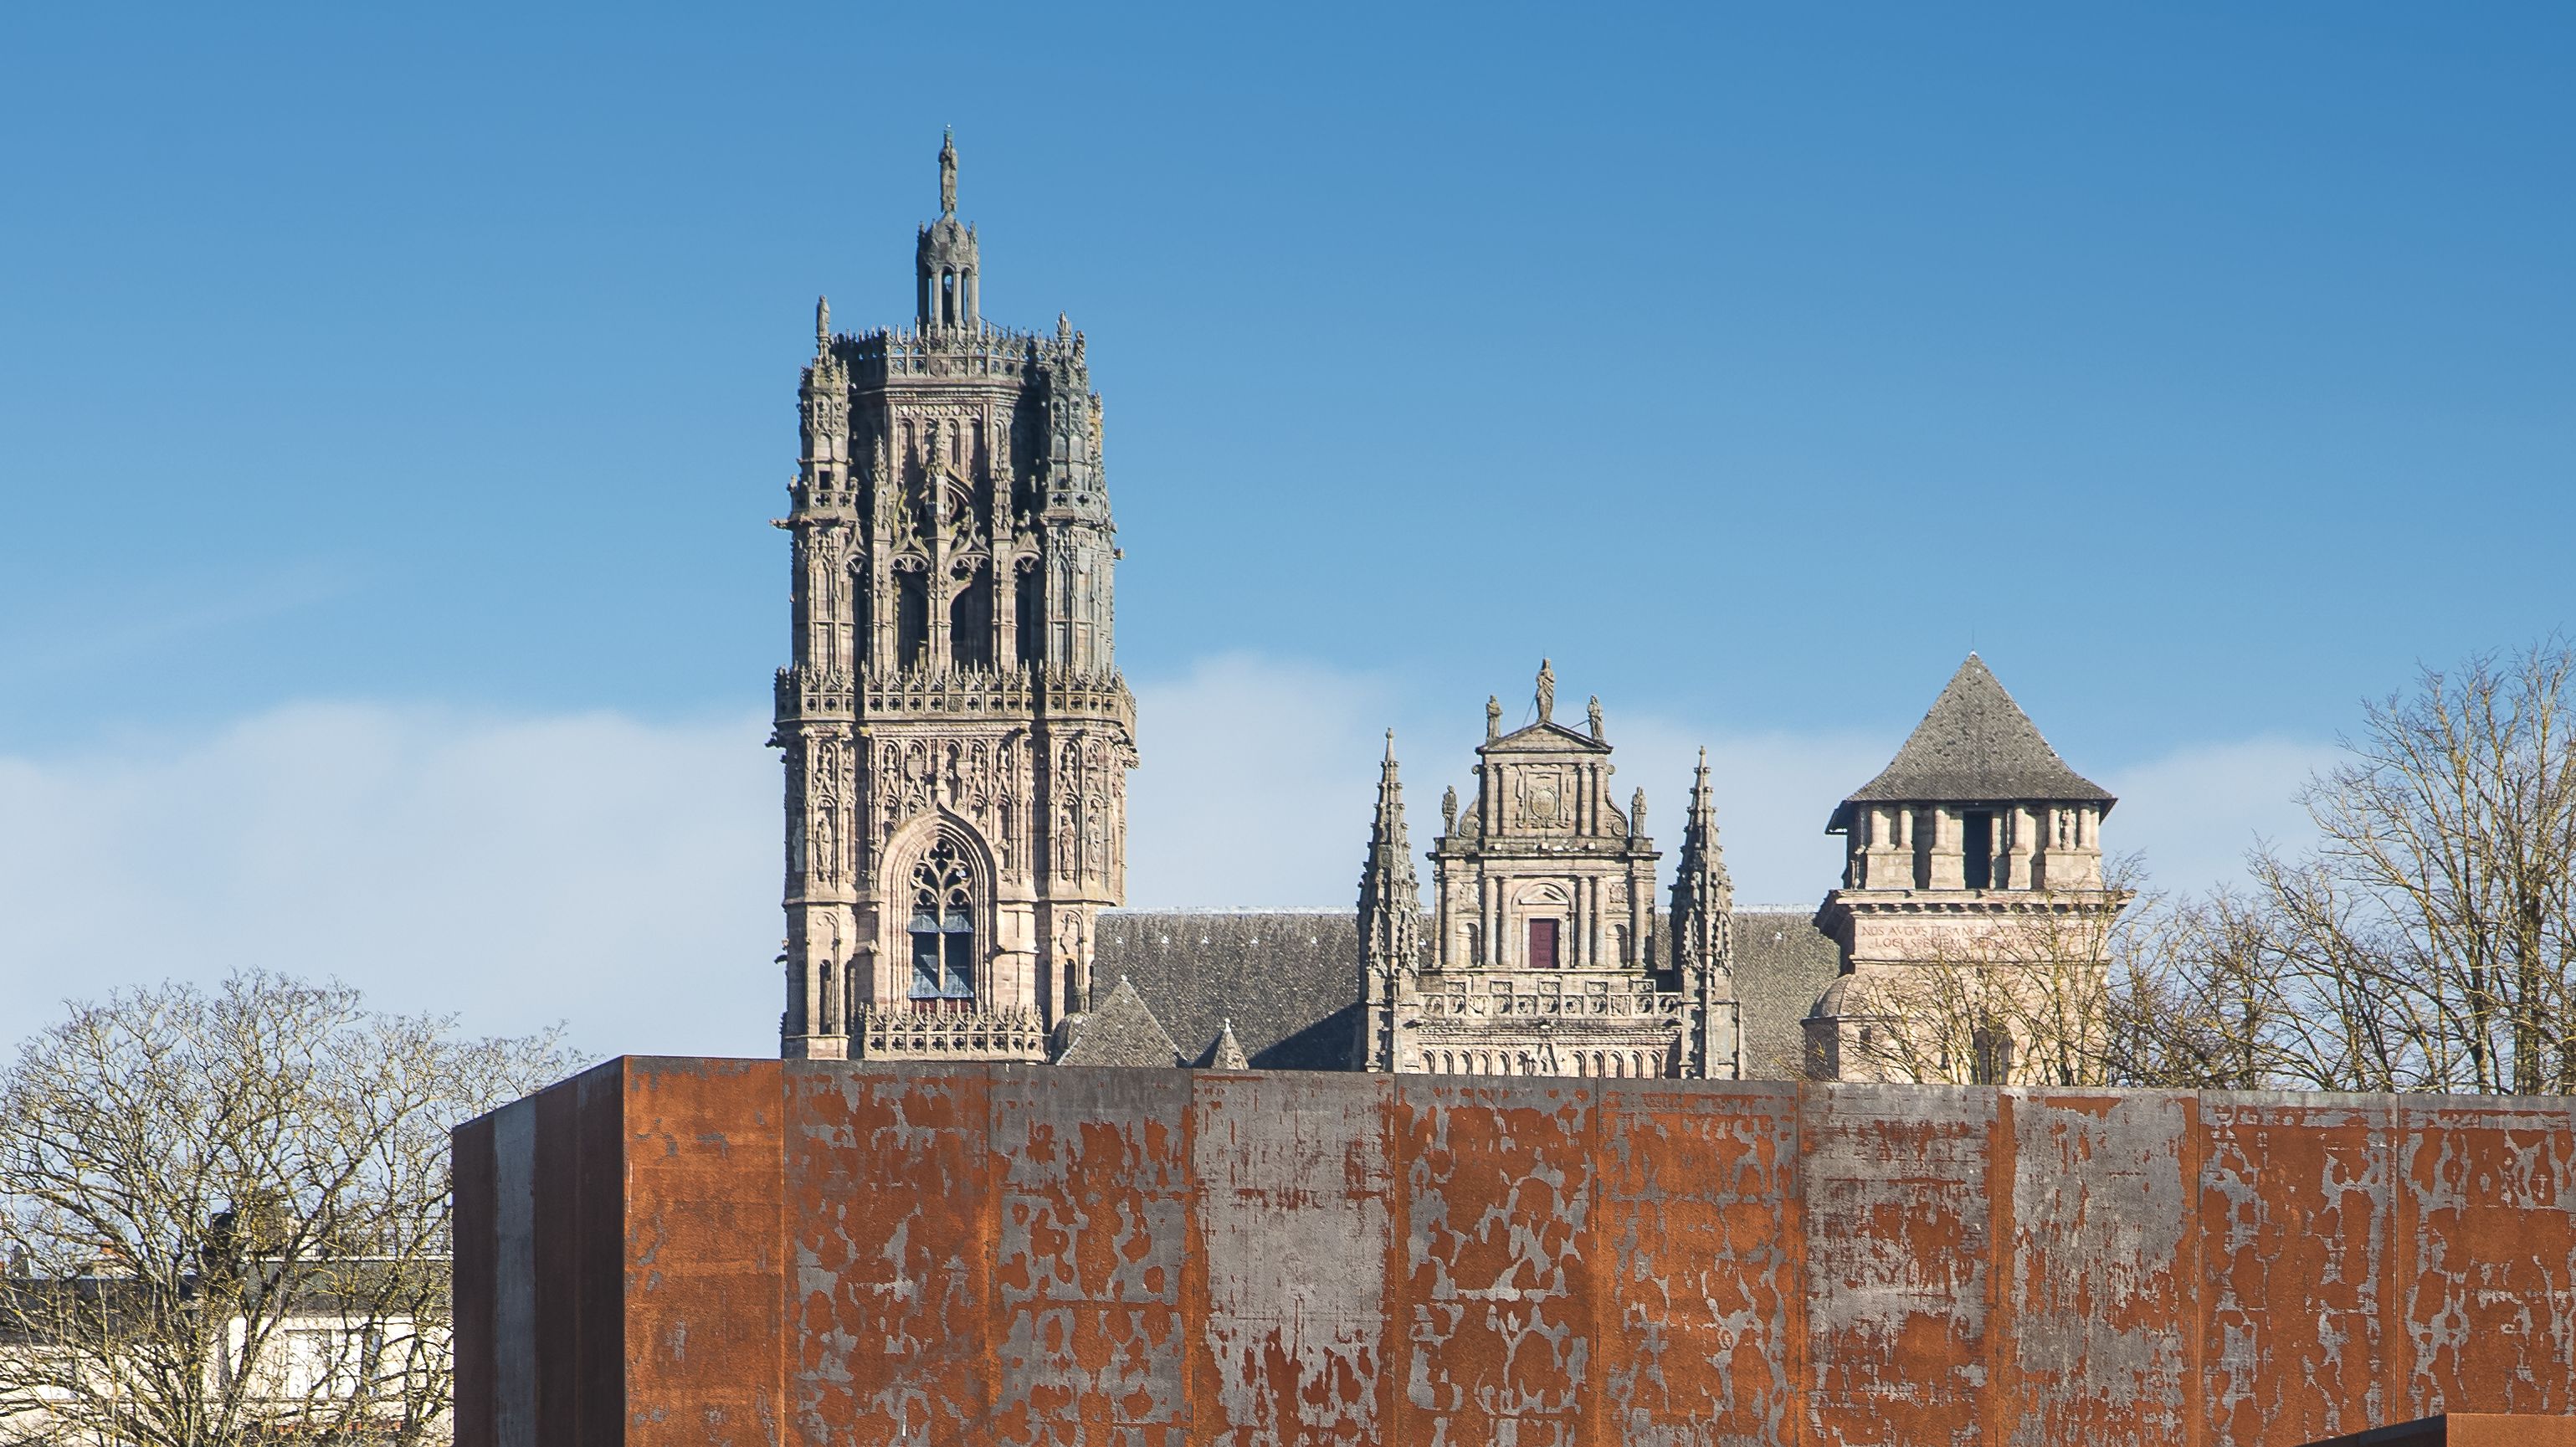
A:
{"points": [[741, 1252]]}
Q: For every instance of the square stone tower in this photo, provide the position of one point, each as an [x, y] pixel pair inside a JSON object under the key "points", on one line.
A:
{"points": [[955, 730], [1973, 918]]}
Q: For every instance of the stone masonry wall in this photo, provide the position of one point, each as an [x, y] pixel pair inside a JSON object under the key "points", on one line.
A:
{"points": [[703, 1251]]}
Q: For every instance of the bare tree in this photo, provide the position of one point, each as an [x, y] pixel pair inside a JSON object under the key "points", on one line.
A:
{"points": [[2196, 999], [2426, 942], [2444, 889], [226, 1216]]}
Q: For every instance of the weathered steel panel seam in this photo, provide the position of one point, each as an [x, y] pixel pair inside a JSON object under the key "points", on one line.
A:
{"points": [[2003, 1273]]}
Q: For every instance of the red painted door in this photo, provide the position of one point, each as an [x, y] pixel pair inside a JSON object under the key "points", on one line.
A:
{"points": [[1542, 944]]}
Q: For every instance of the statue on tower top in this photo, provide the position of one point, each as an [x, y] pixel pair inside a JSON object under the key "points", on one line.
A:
{"points": [[1546, 691], [948, 172]]}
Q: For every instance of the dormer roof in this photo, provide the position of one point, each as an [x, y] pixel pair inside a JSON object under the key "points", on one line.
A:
{"points": [[1975, 746], [1122, 1032]]}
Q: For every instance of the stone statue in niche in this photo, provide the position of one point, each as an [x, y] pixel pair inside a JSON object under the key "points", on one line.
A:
{"points": [[827, 841]]}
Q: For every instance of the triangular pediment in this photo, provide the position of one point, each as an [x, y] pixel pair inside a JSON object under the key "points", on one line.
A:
{"points": [[1544, 737]]}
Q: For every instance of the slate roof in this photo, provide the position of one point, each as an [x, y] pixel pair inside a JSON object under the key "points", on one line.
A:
{"points": [[1287, 982], [1975, 746], [1226, 1053], [1121, 1031], [1783, 964], [1288, 979]]}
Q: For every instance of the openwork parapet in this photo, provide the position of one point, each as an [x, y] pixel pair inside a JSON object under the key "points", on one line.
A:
{"points": [[945, 351], [1542, 997], [901, 1034], [964, 693]]}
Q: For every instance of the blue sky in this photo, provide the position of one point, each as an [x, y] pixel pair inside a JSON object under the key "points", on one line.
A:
{"points": [[2203, 368]]}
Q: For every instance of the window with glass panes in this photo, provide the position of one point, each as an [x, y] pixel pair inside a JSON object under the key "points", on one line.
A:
{"points": [[943, 926]]}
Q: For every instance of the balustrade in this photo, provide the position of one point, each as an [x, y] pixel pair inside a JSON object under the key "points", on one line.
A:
{"points": [[903, 1034]]}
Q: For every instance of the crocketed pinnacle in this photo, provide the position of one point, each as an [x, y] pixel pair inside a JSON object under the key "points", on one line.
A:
{"points": [[1703, 894], [1390, 894], [1699, 832]]}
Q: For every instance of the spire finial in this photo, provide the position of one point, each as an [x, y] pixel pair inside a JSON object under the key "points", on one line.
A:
{"points": [[948, 171], [1390, 746], [822, 323]]}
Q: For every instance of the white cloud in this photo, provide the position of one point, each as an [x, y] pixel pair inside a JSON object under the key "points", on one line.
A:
{"points": [[621, 875], [617, 875], [1258, 782], [1260, 778], [2194, 812]]}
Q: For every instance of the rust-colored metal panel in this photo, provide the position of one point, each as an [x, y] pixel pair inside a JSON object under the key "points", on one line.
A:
{"points": [[2486, 1193], [891, 1205], [705, 1262], [1698, 1307], [2465, 1429], [1095, 1180], [1898, 1270], [747, 1253], [2103, 1250], [1287, 1266], [1495, 1195], [475, 1231], [2498, 1429], [2295, 1228]]}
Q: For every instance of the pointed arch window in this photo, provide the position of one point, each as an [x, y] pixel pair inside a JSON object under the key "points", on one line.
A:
{"points": [[943, 925]]}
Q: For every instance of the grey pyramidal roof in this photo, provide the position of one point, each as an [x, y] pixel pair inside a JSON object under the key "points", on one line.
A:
{"points": [[1975, 746], [1225, 1052], [1122, 1032]]}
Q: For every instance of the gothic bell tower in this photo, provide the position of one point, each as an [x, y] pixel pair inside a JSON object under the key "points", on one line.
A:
{"points": [[956, 733]]}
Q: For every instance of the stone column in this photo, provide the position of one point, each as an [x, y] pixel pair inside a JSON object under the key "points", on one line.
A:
{"points": [[1949, 867]]}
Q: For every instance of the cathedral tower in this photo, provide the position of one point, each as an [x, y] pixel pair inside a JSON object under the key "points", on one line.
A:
{"points": [[955, 731]]}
